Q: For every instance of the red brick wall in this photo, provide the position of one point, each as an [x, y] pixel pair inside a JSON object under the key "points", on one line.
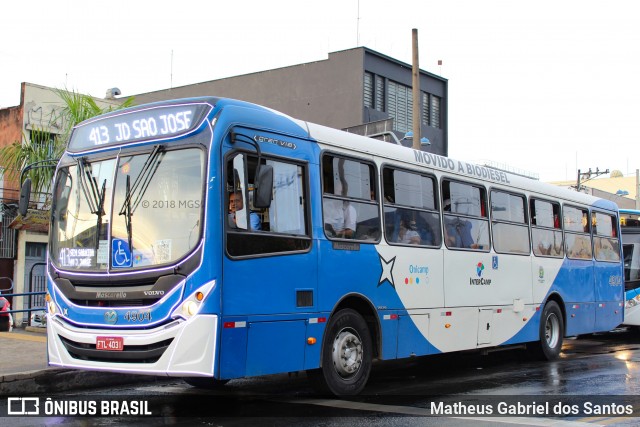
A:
{"points": [[10, 131]]}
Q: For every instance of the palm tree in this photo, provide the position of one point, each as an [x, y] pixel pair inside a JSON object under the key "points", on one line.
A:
{"points": [[43, 150]]}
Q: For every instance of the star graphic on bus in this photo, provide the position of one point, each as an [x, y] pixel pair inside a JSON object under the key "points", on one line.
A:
{"points": [[387, 271]]}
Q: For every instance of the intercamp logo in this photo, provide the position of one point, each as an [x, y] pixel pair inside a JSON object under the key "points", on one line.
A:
{"points": [[479, 269]]}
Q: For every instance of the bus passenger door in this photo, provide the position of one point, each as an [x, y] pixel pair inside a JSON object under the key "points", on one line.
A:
{"points": [[269, 271]]}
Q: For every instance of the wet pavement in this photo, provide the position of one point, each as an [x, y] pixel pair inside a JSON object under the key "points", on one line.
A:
{"points": [[602, 369], [24, 369]]}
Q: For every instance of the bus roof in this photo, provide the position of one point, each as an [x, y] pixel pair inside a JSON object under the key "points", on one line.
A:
{"points": [[365, 145], [430, 161]]}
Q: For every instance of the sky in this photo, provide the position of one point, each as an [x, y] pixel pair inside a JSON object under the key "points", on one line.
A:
{"points": [[547, 86]]}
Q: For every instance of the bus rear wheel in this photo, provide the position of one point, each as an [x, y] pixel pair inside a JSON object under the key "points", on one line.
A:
{"points": [[549, 345], [205, 382], [346, 355]]}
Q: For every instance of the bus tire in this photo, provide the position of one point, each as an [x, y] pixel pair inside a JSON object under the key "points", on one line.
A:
{"points": [[205, 382], [549, 345], [346, 355]]}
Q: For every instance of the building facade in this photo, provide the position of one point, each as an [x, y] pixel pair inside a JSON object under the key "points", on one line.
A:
{"points": [[350, 89], [38, 119]]}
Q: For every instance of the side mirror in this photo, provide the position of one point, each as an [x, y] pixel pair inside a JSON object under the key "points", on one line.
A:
{"points": [[25, 195], [263, 187]]}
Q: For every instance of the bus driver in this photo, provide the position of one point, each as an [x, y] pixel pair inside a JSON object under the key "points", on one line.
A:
{"points": [[236, 204]]}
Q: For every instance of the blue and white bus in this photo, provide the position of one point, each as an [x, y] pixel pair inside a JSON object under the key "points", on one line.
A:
{"points": [[213, 239], [630, 227]]}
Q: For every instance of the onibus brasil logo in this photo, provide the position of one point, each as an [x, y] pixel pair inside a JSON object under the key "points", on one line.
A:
{"points": [[480, 281]]}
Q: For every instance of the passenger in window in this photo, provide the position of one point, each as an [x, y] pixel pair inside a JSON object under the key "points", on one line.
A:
{"points": [[426, 230], [236, 204], [408, 233], [339, 215], [457, 231], [585, 222], [340, 218]]}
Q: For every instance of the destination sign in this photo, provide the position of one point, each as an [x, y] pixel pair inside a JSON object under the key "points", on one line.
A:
{"points": [[150, 123]]}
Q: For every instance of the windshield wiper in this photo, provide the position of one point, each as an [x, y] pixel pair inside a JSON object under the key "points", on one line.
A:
{"points": [[89, 186], [134, 192], [93, 196], [126, 211], [100, 212]]}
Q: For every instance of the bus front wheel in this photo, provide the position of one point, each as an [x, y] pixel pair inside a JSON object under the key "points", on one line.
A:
{"points": [[551, 333], [346, 355]]}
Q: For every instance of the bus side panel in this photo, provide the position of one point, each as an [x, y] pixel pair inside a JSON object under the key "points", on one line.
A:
{"points": [[233, 352], [581, 318], [276, 347], [575, 284], [609, 292], [315, 330], [411, 342], [248, 287], [382, 276]]}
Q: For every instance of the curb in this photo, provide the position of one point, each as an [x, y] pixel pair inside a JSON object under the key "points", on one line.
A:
{"points": [[38, 329], [56, 380]]}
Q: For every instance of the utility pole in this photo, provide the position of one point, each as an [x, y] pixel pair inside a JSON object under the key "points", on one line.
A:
{"points": [[588, 175], [416, 92]]}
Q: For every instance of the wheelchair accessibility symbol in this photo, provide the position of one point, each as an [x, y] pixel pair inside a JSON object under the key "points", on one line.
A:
{"points": [[120, 254]]}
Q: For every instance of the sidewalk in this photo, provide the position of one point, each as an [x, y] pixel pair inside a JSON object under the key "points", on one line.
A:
{"points": [[24, 369]]}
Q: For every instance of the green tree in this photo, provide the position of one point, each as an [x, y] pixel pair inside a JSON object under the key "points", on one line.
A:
{"points": [[44, 148]]}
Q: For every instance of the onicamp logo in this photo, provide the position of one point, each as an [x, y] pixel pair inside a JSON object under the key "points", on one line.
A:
{"points": [[421, 275], [481, 281]]}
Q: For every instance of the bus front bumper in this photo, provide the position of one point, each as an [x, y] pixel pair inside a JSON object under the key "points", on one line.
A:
{"points": [[182, 348]]}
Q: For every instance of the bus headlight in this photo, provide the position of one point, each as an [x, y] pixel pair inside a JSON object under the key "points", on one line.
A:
{"points": [[632, 302], [51, 306], [189, 308], [193, 303]]}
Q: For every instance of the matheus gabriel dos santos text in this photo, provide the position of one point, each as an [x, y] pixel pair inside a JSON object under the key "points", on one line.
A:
{"points": [[532, 408]]}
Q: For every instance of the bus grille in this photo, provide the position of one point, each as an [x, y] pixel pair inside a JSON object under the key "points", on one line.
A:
{"points": [[116, 303], [149, 353]]}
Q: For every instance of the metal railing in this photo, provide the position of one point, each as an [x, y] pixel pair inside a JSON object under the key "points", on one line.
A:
{"points": [[31, 294]]}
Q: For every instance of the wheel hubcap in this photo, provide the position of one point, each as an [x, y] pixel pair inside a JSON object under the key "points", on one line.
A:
{"points": [[347, 353], [552, 330]]}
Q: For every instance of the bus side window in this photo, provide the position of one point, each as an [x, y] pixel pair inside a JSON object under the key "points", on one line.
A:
{"points": [[546, 233], [510, 226], [349, 199], [577, 233], [606, 245], [283, 227], [466, 225], [410, 208]]}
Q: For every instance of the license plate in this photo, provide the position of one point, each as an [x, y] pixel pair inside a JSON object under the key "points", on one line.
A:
{"points": [[110, 343]]}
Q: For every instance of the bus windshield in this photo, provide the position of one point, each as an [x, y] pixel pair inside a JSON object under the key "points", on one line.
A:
{"points": [[127, 212]]}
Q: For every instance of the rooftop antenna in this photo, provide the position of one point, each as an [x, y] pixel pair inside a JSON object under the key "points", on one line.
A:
{"points": [[171, 77]]}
